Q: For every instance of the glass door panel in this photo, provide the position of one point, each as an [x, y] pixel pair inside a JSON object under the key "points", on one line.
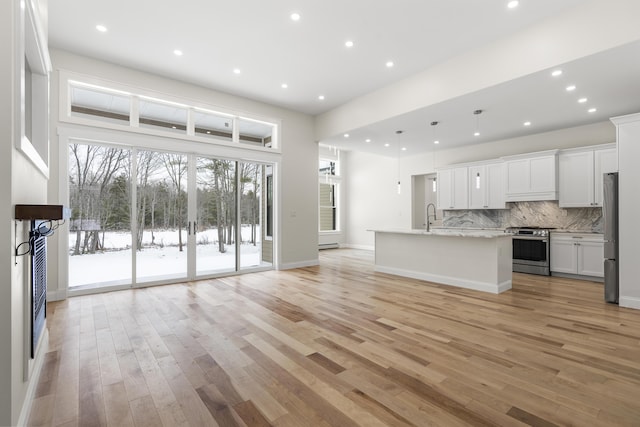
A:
{"points": [[161, 203], [253, 214], [100, 226], [215, 226]]}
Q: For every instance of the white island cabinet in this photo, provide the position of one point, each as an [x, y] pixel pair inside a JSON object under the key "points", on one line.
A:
{"points": [[472, 259]]}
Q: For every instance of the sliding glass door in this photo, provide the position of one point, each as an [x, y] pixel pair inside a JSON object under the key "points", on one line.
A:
{"points": [[143, 216], [161, 216], [215, 223], [100, 226]]}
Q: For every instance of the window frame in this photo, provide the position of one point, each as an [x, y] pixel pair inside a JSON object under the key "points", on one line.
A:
{"points": [[70, 79], [334, 179]]}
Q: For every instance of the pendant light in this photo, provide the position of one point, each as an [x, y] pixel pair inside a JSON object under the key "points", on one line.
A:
{"points": [[436, 141], [398, 133], [477, 114]]}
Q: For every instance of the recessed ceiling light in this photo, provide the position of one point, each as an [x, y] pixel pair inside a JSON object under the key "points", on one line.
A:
{"points": [[284, 85], [346, 135], [173, 127], [389, 64], [527, 123], [177, 52], [101, 28], [236, 71], [295, 16], [436, 142], [386, 145], [512, 4], [556, 73], [571, 88], [348, 43], [209, 132], [404, 148], [592, 110], [582, 100], [367, 140], [321, 97], [476, 134]]}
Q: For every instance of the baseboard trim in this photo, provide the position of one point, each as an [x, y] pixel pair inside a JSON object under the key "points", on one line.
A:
{"points": [[34, 378], [58, 295], [301, 264], [328, 246], [446, 280], [629, 302], [363, 247]]}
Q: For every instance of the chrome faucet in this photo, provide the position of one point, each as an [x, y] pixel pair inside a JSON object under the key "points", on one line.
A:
{"points": [[435, 217]]}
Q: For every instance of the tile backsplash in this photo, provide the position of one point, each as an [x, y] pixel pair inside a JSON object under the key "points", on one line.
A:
{"points": [[518, 214]]}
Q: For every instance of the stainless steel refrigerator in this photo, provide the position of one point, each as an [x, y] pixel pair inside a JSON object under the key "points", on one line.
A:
{"points": [[610, 218]]}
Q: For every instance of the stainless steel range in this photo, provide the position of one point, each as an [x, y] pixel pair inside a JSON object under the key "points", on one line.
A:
{"points": [[531, 250]]}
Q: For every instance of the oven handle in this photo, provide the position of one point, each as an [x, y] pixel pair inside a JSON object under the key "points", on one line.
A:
{"points": [[530, 238]]}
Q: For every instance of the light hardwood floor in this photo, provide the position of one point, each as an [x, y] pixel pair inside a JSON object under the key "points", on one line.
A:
{"points": [[341, 345]]}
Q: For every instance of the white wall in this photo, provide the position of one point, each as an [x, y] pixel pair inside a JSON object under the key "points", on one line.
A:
{"points": [[20, 182], [298, 175], [592, 27], [629, 206], [397, 209], [372, 199]]}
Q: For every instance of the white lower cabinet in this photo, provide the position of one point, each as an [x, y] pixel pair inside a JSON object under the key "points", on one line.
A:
{"points": [[577, 253]]}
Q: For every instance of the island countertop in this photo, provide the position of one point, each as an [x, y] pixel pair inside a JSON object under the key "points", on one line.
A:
{"points": [[448, 232]]}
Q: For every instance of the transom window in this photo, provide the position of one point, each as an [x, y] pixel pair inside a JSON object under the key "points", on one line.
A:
{"points": [[107, 107]]}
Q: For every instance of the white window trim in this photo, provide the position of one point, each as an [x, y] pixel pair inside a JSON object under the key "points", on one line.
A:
{"points": [[69, 78], [34, 48]]}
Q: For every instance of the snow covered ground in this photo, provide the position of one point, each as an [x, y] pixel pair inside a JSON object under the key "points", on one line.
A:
{"points": [[164, 260]]}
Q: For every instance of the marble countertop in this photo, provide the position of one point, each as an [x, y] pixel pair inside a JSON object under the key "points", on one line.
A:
{"points": [[450, 232], [576, 231]]}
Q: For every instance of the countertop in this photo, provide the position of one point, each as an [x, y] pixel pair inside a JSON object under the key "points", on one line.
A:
{"points": [[576, 231], [450, 232]]}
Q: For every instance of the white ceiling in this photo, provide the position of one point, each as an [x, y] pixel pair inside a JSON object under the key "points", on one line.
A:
{"points": [[259, 38]]}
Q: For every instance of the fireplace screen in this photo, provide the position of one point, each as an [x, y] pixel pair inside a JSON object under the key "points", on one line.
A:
{"points": [[38, 286]]}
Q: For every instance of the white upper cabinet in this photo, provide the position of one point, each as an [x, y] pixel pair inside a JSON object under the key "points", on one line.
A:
{"points": [[605, 161], [452, 188], [530, 177], [486, 189], [580, 175]]}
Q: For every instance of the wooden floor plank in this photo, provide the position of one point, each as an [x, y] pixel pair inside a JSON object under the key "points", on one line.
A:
{"points": [[341, 345]]}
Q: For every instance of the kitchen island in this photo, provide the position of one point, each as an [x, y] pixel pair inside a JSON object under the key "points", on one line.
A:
{"points": [[472, 259]]}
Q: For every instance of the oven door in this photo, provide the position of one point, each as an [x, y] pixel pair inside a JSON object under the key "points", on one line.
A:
{"points": [[531, 250]]}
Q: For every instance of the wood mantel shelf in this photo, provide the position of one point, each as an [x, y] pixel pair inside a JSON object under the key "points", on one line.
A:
{"points": [[46, 212]]}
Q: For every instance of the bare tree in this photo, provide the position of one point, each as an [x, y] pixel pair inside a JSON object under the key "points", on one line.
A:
{"points": [[93, 169], [148, 163], [176, 165]]}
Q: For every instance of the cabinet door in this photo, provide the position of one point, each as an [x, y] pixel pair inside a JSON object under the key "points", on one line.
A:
{"points": [[495, 186], [445, 189], [605, 161], [576, 179], [477, 187], [590, 258], [517, 176], [563, 256], [543, 174], [460, 188]]}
